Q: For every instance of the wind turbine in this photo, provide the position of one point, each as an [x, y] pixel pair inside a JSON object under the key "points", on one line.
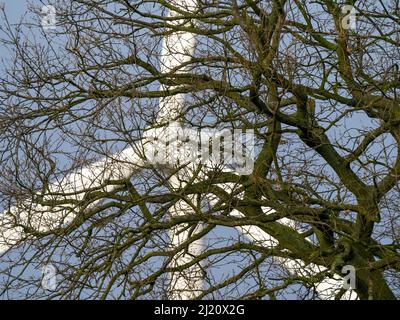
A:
{"points": [[177, 52]]}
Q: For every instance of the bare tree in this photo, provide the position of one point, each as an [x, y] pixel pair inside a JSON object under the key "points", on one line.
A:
{"points": [[83, 189]]}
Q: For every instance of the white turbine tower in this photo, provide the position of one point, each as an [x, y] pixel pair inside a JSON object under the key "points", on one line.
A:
{"points": [[177, 52]]}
